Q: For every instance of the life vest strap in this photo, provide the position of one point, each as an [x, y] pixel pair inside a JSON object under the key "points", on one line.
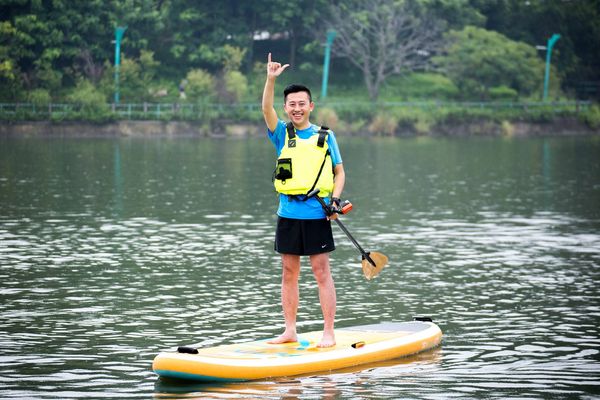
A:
{"points": [[290, 130], [323, 132], [327, 154]]}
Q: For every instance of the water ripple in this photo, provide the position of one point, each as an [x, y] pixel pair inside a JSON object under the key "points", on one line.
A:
{"points": [[91, 293]]}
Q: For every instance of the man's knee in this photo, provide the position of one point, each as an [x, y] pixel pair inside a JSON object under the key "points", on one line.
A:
{"points": [[291, 266], [320, 267]]}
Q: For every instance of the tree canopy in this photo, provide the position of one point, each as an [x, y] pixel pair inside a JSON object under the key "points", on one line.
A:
{"points": [[478, 61], [52, 46]]}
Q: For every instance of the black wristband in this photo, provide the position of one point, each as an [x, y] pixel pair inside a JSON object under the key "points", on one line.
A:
{"points": [[336, 200]]}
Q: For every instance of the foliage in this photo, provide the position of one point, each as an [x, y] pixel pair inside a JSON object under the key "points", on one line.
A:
{"points": [[418, 86], [507, 128], [423, 125], [86, 94], [200, 86], [383, 38], [148, 67], [53, 45], [130, 80], [10, 84], [328, 117], [576, 54], [235, 85], [503, 93], [232, 57], [383, 124], [92, 103], [478, 60], [592, 116], [39, 97]]}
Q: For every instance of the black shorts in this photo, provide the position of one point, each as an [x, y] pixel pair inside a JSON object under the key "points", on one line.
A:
{"points": [[303, 237]]}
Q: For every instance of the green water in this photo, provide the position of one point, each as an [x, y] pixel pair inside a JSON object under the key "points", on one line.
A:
{"points": [[112, 250]]}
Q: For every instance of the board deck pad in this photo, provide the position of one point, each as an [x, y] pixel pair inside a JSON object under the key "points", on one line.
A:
{"points": [[259, 359]]}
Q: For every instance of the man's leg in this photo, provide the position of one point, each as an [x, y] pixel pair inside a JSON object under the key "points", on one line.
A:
{"points": [[322, 272], [289, 297]]}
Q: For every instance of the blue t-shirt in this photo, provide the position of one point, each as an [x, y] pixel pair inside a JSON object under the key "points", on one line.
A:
{"points": [[290, 207]]}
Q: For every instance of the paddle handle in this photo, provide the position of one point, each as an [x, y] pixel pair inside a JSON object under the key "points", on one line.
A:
{"points": [[355, 243], [365, 255]]}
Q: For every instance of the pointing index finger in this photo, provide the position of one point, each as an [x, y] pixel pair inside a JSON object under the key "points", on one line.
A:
{"points": [[269, 58]]}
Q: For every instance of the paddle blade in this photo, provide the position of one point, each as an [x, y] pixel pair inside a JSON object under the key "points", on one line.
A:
{"points": [[371, 271]]}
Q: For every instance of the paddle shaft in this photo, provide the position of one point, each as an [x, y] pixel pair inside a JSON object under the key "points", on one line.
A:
{"points": [[343, 228]]}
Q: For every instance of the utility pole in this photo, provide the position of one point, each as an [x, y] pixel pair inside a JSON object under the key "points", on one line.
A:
{"points": [[549, 47], [119, 31], [330, 36]]}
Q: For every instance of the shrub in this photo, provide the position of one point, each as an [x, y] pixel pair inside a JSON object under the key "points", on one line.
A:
{"points": [[503, 93], [131, 85], [39, 97], [423, 125], [420, 85], [507, 128], [328, 117], [383, 124], [356, 126], [200, 86], [592, 116], [91, 101], [236, 86]]}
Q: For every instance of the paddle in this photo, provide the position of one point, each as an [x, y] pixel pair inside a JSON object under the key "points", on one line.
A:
{"points": [[372, 262]]}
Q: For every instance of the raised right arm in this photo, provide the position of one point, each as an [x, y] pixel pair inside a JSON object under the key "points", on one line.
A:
{"points": [[274, 69]]}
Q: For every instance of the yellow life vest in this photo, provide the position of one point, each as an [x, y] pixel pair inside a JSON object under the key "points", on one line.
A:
{"points": [[304, 164]]}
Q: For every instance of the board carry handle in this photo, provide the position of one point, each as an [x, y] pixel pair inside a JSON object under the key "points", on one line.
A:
{"points": [[187, 350], [422, 318], [365, 254]]}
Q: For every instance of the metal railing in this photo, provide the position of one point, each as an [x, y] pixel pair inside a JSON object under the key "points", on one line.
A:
{"points": [[184, 111]]}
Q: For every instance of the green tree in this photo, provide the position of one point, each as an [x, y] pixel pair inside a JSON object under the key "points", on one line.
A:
{"points": [[234, 84], [10, 82], [193, 34], [456, 13], [384, 38], [576, 55], [51, 41], [478, 60]]}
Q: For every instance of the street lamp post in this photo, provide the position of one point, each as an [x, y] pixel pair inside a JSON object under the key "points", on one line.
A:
{"points": [[549, 47], [330, 36], [119, 31]]}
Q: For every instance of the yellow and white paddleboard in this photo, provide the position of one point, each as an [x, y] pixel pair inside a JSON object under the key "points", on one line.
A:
{"points": [[258, 360]]}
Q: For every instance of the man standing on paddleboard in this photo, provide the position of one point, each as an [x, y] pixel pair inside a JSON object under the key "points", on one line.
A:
{"points": [[308, 159]]}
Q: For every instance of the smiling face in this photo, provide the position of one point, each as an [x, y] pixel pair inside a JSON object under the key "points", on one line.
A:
{"points": [[298, 108]]}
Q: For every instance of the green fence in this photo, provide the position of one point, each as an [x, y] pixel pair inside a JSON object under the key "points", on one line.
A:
{"points": [[252, 111]]}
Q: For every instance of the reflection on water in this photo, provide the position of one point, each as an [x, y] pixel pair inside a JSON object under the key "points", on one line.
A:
{"points": [[114, 250]]}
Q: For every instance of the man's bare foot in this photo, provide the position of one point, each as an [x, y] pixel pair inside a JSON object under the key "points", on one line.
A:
{"points": [[328, 340], [285, 337]]}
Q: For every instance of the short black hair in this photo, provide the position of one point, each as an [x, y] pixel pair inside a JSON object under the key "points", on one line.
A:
{"points": [[295, 88]]}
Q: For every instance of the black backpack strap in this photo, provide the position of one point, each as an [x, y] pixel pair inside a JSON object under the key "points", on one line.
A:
{"points": [[323, 132], [290, 130]]}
